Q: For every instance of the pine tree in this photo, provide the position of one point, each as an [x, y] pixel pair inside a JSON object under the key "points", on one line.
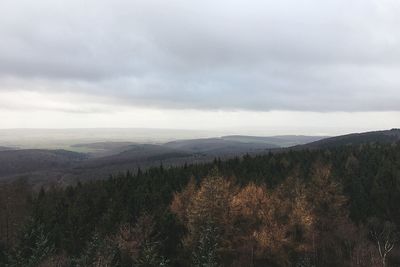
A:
{"points": [[99, 252], [33, 248]]}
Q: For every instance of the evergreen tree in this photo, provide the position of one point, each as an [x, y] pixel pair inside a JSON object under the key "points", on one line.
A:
{"points": [[33, 248], [99, 252]]}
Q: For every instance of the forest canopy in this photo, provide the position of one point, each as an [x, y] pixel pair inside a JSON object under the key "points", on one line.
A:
{"points": [[324, 207]]}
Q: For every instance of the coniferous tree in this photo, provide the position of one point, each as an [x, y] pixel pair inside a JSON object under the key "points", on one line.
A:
{"points": [[33, 247]]}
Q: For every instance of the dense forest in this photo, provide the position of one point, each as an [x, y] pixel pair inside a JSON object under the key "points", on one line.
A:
{"points": [[337, 206]]}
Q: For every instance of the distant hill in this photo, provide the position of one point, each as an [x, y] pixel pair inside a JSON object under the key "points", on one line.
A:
{"points": [[5, 148], [32, 160], [280, 141], [138, 155], [103, 149], [103, 159], [107, 158], [135, 154], [170, 154], [219, 146], [105, 145], [382, 137], [64, 138]]}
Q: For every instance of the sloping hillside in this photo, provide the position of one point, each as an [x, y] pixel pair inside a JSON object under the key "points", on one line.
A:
{"points": [[219, 146], [280, 141], [5, 148], [135, 154], [65, 167], [381, 137], [103, 149], [32, 160]]}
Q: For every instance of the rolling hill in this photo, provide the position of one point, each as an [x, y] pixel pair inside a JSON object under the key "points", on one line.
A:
{"points": [[219, 146], [280, 141], [106, 158], [63, 167], [382, 137], [32, 160], [103, 149], [5, 148]]}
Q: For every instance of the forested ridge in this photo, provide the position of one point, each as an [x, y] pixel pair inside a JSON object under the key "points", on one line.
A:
{"points": [[324, 207]]}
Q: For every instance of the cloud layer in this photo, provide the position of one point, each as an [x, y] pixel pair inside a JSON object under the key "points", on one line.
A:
{"points": [[303, 55]]}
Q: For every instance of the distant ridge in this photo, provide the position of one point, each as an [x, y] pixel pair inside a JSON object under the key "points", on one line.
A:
{"points": [[31, 160], [380, 137], [103, 159], [219, 146], [280, 140], [5, 148]]}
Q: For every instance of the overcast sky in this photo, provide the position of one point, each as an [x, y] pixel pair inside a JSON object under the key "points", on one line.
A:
{"points": [[250, 66]]}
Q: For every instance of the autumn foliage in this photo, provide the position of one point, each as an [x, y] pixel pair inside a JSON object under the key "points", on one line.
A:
{"points": [[295, 222]]}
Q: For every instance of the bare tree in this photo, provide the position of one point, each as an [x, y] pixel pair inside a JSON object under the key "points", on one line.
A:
{"points": [[385, 236]]}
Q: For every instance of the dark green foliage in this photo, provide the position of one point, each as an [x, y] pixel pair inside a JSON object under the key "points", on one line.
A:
{"points": [[33, 247], [98, 252], [73, 220], [3, 255]]}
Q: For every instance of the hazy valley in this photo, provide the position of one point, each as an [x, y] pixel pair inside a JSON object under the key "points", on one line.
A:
{"points": [[58, 160]]}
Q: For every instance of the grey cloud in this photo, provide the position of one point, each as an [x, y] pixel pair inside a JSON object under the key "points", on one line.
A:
{"points": [[255, 55]]}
